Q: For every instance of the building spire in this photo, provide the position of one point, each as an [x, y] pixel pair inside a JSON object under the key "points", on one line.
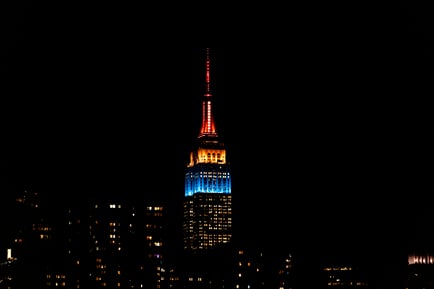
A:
{"points": [[208, 125]]}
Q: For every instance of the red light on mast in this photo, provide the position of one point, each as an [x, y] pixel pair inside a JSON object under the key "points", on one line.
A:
{"points": [[208, 126]]}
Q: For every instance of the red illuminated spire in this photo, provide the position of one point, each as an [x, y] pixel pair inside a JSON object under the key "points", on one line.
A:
{"points": [[208, 126]]}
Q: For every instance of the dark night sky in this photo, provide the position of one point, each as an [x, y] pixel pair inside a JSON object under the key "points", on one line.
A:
{"points": [[324, 111]]}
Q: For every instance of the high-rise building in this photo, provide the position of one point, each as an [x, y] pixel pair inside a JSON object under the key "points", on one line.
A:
{"points": [[207, 200], [207, 204], [117, 244]]}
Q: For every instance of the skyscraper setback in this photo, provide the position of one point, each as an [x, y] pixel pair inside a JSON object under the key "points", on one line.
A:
{"points": [[207, 202]]}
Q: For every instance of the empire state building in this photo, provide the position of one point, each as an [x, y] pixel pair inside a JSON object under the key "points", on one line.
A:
{"points": [[207, 205]]}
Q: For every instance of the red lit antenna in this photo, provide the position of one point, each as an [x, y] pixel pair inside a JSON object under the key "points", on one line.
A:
{"points": [[208, 126], [208, 79]]}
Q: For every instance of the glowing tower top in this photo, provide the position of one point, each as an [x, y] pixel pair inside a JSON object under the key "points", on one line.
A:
{"points": [[208, 199], [208, 125]]}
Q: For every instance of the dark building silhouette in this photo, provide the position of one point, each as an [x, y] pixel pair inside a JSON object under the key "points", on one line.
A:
{"points": [[32, 243], [342, 276], [250, 269], [420, 273], [117, 243], [285, 273]]}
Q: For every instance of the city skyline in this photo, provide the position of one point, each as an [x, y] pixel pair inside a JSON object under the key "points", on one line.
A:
{"points": [[341, 127], [322, 136]]}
